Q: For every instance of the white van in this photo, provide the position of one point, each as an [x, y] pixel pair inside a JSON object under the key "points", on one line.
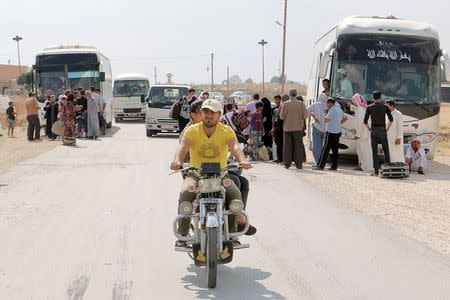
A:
{"points": [[128, 95], [159, 101]]}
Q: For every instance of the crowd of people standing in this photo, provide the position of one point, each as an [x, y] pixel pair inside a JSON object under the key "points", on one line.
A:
{"points": [[283, 126], [79, 113]]}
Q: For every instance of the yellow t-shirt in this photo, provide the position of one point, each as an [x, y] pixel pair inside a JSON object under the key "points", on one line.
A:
{"points": [[212, 149]]}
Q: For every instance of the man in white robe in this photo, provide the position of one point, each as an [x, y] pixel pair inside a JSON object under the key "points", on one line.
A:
{"points": [[363, 143], [395, 134], [415, 157]]}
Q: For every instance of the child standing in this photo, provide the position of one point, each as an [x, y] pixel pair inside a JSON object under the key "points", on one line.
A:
{"points": [[256, 125], [11, 117]]}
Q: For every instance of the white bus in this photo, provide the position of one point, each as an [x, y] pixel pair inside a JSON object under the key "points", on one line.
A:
{"points": [[71, 67], [159, 101], [400, 58], [129, 95]]}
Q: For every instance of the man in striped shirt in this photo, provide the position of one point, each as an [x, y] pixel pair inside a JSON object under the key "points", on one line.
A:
{"points": [[317, 112], [333, 120]]}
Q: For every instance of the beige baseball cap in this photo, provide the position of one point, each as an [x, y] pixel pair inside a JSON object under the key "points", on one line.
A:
{"points": [[213, 105]]}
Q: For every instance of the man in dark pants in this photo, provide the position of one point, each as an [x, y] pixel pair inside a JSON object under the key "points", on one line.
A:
{"points": [[293, 112], [378, 132], [277, 130], [34, 126], [333, 121]]}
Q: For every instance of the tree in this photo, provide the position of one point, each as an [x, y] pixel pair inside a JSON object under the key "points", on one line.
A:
{"points": [[22, 79], [249, 81], [235, 80], [275, 79]]}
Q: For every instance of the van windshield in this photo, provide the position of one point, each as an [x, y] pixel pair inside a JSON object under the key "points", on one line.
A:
{"points": [[127, 88], [164, 97]]}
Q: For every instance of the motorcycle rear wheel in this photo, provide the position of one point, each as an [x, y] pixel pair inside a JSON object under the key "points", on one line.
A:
{"points": [[211, 257]]}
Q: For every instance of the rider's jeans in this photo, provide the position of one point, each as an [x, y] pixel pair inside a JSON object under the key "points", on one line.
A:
{"points": [[188, 194]]}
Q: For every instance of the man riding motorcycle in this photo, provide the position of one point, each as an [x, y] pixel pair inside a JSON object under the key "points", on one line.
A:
{"points": [[207, 141]]}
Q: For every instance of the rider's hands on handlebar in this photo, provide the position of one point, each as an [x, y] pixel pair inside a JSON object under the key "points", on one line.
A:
{"points": [[246, 165], [176, 165]]}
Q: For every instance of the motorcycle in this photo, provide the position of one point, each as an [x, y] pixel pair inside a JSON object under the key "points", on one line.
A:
{"points": [[210, 243]]}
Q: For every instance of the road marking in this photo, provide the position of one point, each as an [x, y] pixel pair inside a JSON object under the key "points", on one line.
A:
{"points": [[78, 288]]}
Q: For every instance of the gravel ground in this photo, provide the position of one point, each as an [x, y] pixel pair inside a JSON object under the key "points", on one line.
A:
{"points": [[18, 149], [418, 206]]}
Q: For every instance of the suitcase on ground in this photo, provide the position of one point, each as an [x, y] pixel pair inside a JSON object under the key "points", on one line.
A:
{"points": [[394, 170]]}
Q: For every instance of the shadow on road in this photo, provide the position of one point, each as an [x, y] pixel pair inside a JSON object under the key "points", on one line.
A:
{"points": [[110, 132], [232, 283]]}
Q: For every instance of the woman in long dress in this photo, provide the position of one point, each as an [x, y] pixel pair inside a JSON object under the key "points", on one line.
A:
{"points": [[363, 144], [68, 110], [93, 125]]}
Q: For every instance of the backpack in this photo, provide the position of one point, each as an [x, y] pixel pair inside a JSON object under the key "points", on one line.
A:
{"points": [[240, 121], [175, 111]]}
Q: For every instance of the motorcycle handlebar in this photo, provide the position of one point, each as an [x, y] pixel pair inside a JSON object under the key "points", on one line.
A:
{"points": [[187, 167]]}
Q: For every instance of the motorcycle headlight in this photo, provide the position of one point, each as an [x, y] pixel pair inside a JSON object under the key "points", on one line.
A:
{"points": [[210, 185], [186, 208], [236, 206], [349, 134]]}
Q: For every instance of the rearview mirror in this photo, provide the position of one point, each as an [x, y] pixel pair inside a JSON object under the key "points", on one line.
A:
{"points": [[142, 98], [102, 76]]}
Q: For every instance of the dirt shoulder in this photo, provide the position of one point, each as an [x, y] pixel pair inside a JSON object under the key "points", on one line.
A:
{"points": [[15, 150], [418, 206]]}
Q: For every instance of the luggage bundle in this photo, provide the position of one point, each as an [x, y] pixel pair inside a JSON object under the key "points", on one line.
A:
{"points": [[394, 170]]}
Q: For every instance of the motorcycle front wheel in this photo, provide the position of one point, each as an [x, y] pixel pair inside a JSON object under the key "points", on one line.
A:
{"points": [[211, 257]]}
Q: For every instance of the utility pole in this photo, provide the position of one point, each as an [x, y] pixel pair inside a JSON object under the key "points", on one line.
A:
{"points": [[263, 43], [212, 71], [156, 77], [283, 70], [18, 39]]}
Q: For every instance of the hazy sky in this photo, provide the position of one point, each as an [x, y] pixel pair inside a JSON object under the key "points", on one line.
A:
{"points": [[178, 35]]}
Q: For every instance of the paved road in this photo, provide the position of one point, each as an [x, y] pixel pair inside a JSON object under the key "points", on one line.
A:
{"points": [[94, 222]]}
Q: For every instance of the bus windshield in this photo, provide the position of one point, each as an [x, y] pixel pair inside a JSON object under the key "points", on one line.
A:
{"points": [[126, 88], [58, 72], [52, 79], [164, 97], [405, 69]]}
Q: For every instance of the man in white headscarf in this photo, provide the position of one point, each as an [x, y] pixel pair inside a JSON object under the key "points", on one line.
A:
{"points": [[346, 90], [395, 134], [363, 144], [415, 157], [317, 112]]}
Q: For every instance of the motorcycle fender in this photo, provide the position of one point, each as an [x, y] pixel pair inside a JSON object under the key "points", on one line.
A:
{"points": [[212, 220]]}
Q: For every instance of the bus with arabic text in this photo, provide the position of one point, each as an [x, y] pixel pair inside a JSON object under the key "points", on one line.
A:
{"points": [[400, 58]]}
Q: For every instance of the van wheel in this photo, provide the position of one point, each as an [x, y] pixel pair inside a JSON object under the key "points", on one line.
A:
{"points": [[150, 132]]}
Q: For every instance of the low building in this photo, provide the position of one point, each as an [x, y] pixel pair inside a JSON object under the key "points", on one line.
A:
{"points": [[8, 76]]}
